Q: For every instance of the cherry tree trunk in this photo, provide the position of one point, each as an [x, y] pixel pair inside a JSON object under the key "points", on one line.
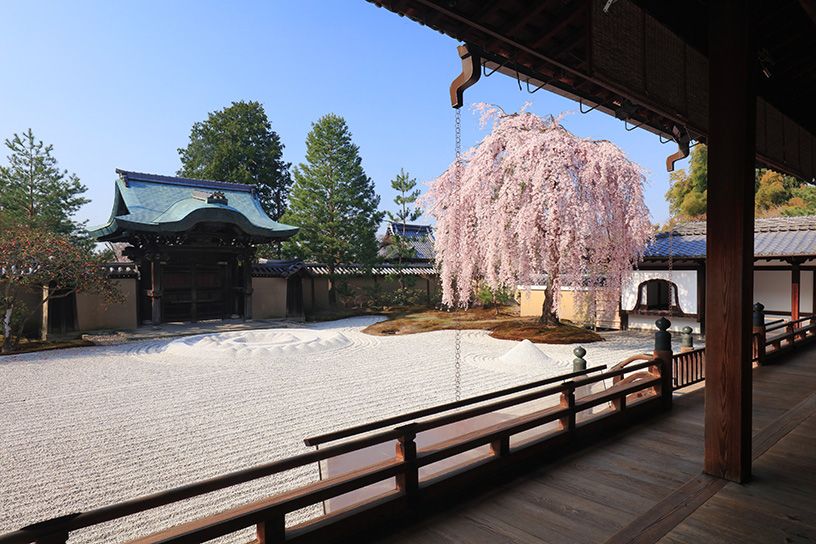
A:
{"points": [[7, 334], [548, 316]]}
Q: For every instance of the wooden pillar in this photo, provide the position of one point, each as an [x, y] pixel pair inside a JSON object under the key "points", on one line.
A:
{"points": [[247, 265], [44, 320], [730, 243], [314, 302], [229, 294], [701, 295], [813, 294], [796, 277], [155, 290], [193, 293]]}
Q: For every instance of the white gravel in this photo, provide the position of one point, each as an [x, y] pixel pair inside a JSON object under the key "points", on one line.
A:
{"points": [[86, 427]]}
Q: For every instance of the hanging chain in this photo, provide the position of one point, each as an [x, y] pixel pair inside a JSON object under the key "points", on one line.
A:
{"points": [[457, 360], [672, 289], [671, 251]]}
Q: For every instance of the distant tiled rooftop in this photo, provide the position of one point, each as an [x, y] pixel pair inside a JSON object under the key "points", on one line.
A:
{"points": [[773, 237], [419, 237], [766, 224], [284, 269]]}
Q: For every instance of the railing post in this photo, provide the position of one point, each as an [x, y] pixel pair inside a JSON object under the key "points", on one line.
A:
{"points": [[408, 481], [579, 363], [686, 339], [272, 530], [663, 352], [758, 327], [568, 401], [500, 447]]}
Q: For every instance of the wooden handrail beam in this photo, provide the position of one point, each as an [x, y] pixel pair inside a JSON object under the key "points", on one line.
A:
{"points": [[417, 414], [632, 359], [462, 443], [614, 392], [487, 408], [612, 373]]}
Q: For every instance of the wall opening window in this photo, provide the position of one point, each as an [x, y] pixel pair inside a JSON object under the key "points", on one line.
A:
{"points": [[658, 296]]}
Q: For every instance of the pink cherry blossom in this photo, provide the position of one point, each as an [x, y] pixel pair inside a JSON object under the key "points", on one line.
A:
{"points": [[530, 199]]}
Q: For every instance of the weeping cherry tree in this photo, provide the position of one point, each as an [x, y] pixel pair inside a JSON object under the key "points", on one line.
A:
{"points": [[533, 200]]}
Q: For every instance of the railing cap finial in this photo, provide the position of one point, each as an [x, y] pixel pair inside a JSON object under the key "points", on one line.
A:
{"points": [[758, 307], [663, 324], [686, 330], [579, 351]]}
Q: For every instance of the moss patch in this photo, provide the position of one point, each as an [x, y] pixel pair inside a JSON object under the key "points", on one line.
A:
{"points": [[545, 334], [29, 346], [506, 325]]}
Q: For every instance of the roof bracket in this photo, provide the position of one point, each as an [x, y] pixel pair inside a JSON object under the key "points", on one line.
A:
{"points": [[471, 71], [581, 106], [633, 127], [555, 76], [498, 67]]}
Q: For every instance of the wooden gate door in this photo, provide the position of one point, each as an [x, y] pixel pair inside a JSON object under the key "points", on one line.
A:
{"points": [[294, 297]]}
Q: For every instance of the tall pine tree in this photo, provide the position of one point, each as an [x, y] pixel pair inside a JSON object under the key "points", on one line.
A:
{"points": [[35, 193], [400, 247], [333, 201], [406, 198], [238, 144]]}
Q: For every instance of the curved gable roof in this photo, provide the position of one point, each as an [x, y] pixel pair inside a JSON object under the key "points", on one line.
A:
{"points": [[154, 203]]}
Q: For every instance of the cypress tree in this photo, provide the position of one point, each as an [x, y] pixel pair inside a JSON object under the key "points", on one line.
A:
{"points": [[333, 201], [238, 144]]}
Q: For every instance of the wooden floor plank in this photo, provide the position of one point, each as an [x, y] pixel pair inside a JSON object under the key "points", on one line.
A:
{"points": [[665, 515]]}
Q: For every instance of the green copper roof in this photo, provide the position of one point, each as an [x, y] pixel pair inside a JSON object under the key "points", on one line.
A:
{"points": [[163, 204]]}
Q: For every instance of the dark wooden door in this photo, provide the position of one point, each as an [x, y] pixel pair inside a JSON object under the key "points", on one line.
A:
{"points": [[294, 296], [193, 292], [208, 299], [62, 314], [177, 293]]}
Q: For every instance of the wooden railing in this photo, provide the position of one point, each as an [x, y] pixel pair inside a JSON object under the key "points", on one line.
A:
{"points": [[333, 436], [688, 368], [569, 420], [784, 337], [769, 339]]}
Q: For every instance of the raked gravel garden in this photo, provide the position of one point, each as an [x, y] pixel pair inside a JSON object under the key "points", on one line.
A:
{"points": [[86, 427]]}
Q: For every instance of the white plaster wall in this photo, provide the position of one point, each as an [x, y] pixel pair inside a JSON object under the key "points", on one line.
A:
{"points": [[773, 289], [647, 322], [686, 281], [806, 292]]}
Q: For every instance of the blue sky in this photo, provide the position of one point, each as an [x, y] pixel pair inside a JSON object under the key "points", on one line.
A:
{"points": [[119, 84]]}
